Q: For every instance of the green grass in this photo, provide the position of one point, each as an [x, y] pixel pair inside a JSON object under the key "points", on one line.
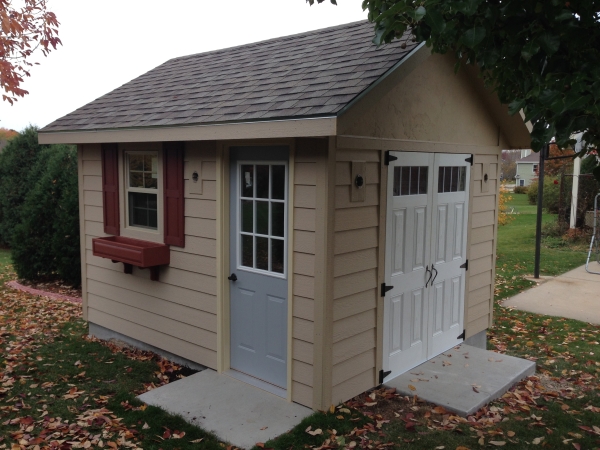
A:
{"points": [[516, 250]]}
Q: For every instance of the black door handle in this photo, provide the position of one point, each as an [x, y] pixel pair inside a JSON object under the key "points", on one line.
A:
{"points": [[436, 272], [427, 271], [233, 277]]}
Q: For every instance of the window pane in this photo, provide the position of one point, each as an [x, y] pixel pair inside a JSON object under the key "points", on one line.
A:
{"points": [[247, 216], [454, 182], [136, 179], [405, 181], [414, 180], [278, 219], [277, 255], [262, 253], [397, 176], [247, 181], [447, 178], [262, 217], [143, 210], [262, 181], [462, 174], [149, 182], [441, 180], [247, 250], [423, 173], [278, 182], [136, 162]]}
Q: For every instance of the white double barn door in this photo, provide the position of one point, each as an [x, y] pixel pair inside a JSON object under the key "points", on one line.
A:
{"points": [[428, 197]]}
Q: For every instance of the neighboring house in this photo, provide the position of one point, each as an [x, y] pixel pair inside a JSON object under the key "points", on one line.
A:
{"points": [[306, 207], [528, 169]]}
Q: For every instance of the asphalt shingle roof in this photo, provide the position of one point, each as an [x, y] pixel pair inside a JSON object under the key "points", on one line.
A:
{"points": [[306, 75], [533, 157]]}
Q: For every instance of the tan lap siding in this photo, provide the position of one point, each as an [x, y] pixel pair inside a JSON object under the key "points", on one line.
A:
{"points": [[355, 277], [305, 198], [178, 313], [482, 254]]}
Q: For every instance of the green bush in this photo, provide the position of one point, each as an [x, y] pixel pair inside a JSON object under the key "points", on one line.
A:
{"points": [[551, 194], [16, 161], [521, 189], [45, 245]]}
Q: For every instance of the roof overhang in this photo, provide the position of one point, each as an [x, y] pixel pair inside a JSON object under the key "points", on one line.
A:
{"points": [[303, 127]]}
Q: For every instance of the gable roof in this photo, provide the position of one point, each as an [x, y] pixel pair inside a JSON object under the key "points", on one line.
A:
{"points": [[314, 74], [533, 157]]}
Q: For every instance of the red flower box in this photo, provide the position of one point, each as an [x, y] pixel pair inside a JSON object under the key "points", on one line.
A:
{"points": [[132, 252]]}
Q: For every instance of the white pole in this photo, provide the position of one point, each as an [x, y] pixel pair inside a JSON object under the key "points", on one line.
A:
{"points": [[576, 169], [575, 191]]}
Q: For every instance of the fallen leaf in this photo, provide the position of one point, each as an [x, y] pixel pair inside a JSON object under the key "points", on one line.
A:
{"points": [[411, 387], [498, 443]]}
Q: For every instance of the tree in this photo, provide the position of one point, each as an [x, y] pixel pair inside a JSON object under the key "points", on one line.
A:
{"points": [[508, 169], [6, 134], [541, 57], [23, 30], [555, 167]]}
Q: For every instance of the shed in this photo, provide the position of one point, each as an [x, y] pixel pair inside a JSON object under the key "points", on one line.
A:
{"points": [[309, 214], [528, 169]]}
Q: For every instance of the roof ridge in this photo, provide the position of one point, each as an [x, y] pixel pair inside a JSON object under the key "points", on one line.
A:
{"points": [[276, 39]]}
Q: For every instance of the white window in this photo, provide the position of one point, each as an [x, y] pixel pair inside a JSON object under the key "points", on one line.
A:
{"points": [[535, 168], [142, 189], [521, 182]]}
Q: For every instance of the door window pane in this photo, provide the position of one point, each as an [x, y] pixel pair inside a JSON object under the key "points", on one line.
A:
{"points": [[262, 218], [262, 210], [451, 179], [278, 182], [277, 255], [247, 251], [248, 216], [410, 180], [277, 219], [247, 181], [262, 253], [262, 181]]}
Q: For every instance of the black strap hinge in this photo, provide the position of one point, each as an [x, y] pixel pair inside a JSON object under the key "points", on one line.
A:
{"points": [[465, 265], [385, 288], [462, 336], [389, 158], [383, 374], [470, 159]]}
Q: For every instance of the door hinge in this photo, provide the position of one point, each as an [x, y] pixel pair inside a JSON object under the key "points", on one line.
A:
{"points": [[385, 288], [383, 374], [465, 265], [470, 159], [389, 158], [462, 336]]}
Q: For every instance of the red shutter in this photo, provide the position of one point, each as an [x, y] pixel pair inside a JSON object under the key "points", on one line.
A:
{"points": [[173, 193], [110, 188]]}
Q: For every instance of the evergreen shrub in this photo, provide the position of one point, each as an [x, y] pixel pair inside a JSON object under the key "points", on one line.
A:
{"points": [[45, 244]]}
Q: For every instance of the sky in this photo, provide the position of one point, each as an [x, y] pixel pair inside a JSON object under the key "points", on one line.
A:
{"points": [[106, 43]]}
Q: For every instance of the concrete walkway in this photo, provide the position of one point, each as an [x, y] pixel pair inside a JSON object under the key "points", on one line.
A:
{"points": [[235, 411], [463, 379], [575, 295]]}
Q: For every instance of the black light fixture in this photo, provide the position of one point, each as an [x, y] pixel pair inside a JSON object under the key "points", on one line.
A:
{"points": [[359, 181], [195, 177]]}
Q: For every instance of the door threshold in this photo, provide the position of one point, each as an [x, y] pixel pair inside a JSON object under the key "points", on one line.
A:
{"points": [[271, 388]]}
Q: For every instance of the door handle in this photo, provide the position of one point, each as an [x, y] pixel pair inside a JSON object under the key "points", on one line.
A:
{"points": [[436, 272], [430, 273], [233, 277]]}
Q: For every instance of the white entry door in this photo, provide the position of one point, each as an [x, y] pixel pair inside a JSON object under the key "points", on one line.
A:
{"points": [[425, 249]]}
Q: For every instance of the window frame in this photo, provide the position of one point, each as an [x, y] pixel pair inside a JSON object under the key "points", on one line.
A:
{"points": [[132, 231], [239, 232], [534, 168]]}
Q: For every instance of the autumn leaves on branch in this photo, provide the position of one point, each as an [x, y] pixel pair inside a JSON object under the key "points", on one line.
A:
{"points": [[25, 28]]}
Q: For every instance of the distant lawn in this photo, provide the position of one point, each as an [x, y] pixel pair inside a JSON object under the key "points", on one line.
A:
{"points": [[516, 250], [5, 257]]}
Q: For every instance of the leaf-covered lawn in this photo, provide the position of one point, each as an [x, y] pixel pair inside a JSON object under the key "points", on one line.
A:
{"points": [[559, 407], [62, 390]]}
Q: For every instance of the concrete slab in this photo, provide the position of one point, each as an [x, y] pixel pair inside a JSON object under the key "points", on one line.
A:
{"points": [[235, 411], [464, 378], [573, 295]]}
